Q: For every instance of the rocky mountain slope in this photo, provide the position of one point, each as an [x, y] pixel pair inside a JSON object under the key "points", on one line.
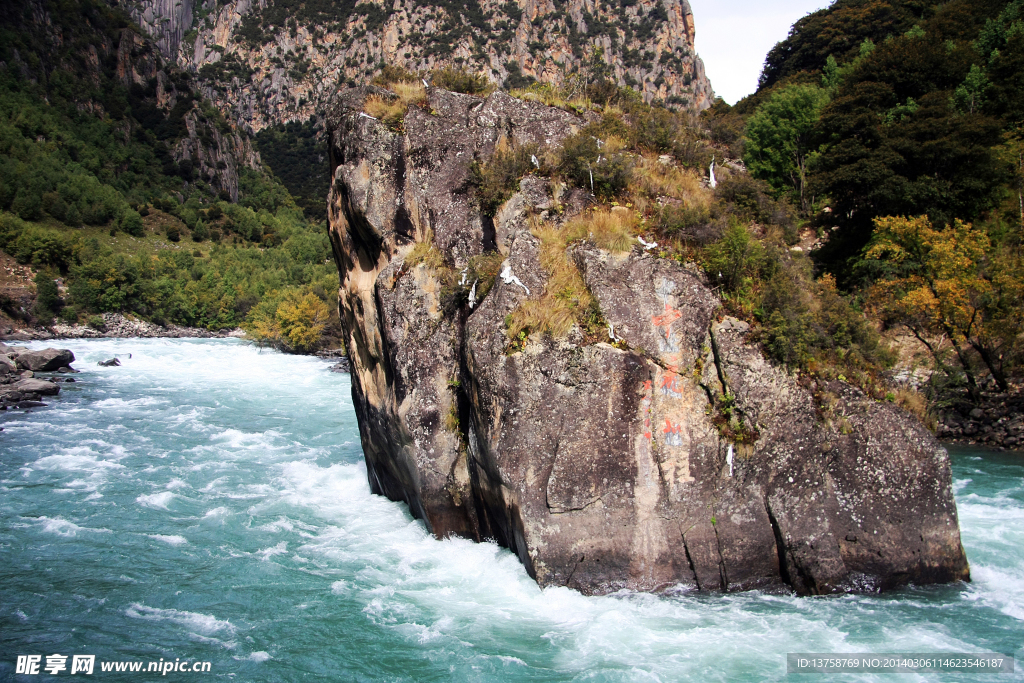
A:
{"points": [[664, 451], [90, 59], [277, 61]]}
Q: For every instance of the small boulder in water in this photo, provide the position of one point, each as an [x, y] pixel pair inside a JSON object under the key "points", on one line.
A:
{"points": [[109, 363], [31, 404]]}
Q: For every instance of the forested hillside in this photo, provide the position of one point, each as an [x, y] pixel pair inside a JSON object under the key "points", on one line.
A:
{"points": [[897, 128], [121, 180]]}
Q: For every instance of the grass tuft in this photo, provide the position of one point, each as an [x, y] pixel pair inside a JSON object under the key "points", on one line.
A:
{"points": [[655, 179], [392, 110], [462, 81], [612, 230], [426, 253], [566, 300], [553, 96]]}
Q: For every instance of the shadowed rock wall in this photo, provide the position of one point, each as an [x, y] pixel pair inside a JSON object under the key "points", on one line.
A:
{"points": [[684, 458]]}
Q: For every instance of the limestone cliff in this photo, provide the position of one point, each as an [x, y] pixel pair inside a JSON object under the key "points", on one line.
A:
{"points": [[676, 456], [273, 61]]}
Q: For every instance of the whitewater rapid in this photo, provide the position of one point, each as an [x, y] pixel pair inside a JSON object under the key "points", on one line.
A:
{"points": [[208, 501]]}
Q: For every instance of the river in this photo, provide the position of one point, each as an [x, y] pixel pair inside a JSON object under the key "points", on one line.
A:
{"points": [[208, 502]]}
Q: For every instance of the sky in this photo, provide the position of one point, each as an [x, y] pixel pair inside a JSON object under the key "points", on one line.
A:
{"points": [[734, 36]]}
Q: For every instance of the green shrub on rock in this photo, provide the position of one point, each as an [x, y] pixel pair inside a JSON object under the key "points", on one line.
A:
{"points": [[460, 80], [498, 179], [583, 163]]}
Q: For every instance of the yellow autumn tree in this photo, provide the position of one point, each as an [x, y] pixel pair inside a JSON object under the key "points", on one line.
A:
{"points": [[302, 319], [935, 283], [292, 322]]}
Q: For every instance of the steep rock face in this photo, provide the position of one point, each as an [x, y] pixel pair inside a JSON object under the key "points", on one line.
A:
{"points": [[166, 21], [270, 61], [216, 153], [678, 456]]}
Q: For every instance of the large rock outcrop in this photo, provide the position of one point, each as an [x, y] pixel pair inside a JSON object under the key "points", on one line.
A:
{"points": [[677, 456]]}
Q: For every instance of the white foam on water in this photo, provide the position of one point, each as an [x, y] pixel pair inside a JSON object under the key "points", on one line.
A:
{"points": [[81, 459], [194, 417], [156, 500], [281, 524], [169, 539], [194, 622], [208, 640], [217, 512], [992, 522], [259, 656], [59, 526], [279, 549], [511, 660], [214, 485], [237, 439], [124, 404], [77, 461]]}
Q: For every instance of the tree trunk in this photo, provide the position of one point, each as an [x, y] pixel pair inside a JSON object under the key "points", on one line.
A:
{"points": [[972, 383], [1020, 192], [935, 352], [987, 357], [802, 181]]}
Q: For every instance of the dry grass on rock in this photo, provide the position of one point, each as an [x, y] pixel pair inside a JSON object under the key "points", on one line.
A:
{"points": [[566, 300], [392, 110]]}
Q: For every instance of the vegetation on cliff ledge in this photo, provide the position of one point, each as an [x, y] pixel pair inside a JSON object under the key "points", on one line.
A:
{"points": [[768, 232]]}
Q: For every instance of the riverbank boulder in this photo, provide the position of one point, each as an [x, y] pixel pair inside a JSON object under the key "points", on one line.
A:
{"points": [[45, 360], [666, 453], [41, 387], [19, 386]]}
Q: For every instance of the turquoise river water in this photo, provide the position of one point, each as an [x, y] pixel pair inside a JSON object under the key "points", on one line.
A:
{"points": [[208, 502]]}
